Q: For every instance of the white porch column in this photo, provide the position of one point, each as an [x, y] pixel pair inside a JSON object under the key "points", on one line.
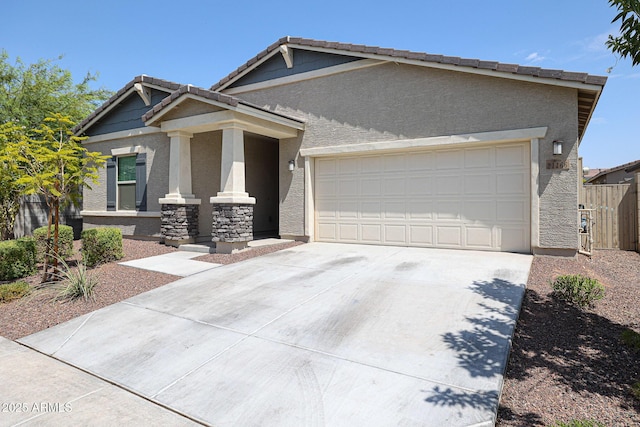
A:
{"points": [[180, 170], [232, 168]]}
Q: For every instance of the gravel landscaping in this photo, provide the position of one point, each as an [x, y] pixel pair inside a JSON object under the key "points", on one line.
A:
{"points": [[565, 363], [570, 364], [116, 282]]}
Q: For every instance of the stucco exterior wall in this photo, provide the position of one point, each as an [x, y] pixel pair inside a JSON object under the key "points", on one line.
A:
{"points": [[156, 146], [396, 101], [206, 149]]}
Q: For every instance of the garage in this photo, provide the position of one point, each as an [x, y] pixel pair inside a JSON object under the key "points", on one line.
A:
{"points": [[463, 198]]}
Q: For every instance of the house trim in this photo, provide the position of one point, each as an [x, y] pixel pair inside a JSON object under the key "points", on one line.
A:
{"points": [[129, 133], [323, 72], [403, 144], [139, 214]]}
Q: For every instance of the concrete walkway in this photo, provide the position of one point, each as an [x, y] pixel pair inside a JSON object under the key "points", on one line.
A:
{"points": [[317, 334]]}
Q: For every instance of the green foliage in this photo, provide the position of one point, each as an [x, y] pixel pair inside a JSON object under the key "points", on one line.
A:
{"points": [[627, 44], [13, 291], [29, 93], [578, 290], [17, 258], [631, 338], [65, 241], [73, 283], [10, 191], [578, 423], [101, 245], [635, 390]]}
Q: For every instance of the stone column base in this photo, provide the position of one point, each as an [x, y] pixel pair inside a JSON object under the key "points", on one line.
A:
{"points": [[179, 223], [232, 226]]}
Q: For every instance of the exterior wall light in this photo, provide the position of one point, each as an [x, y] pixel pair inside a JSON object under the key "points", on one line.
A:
{"points": [[292, 165], [557, 147]]}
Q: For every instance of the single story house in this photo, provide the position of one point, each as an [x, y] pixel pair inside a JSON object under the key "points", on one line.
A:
{"points": [[334, 142], [621, 174]]}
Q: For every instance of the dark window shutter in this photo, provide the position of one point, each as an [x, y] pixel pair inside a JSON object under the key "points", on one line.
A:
{"points": [[141, 182], [111, 184]]}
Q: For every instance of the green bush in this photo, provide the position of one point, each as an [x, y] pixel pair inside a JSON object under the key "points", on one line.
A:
{"points": [[635, 390], [65, 241], [11, 291], [101, 245], [631, 338], [579, 290], [17, 258], [578, 423]]}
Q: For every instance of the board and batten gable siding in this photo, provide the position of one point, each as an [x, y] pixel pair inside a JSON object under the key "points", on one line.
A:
{"points": [[126, 115], [398, 101]]}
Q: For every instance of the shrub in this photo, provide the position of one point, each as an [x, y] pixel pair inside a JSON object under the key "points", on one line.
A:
{"points": [[65, 241], [75, 282], [631, 338], [101, 245], [17, 258], [635, 390], [16, 290], [578, 423], [579, 290]]}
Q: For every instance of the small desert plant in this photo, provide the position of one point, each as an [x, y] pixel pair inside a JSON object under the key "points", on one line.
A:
{"points": [[65, 241], [635, 390], [578, 423], [631, 338], [101, 245], [15, 290], [17, 258], [579, 290], [73, 283]]}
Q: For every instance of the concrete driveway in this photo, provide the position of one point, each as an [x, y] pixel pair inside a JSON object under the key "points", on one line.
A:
{"points": [[318, 334]]}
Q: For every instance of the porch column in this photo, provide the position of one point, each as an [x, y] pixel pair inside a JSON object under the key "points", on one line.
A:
{"points": [[232, 207], [179, 207]]}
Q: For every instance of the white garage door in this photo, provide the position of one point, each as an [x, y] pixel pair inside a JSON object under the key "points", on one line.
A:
{"points": [[464, 198]]}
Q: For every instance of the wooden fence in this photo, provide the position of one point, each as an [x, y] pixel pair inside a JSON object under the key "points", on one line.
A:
{"points": [[615, 214]]}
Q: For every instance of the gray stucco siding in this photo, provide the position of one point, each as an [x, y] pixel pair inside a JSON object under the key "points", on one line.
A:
{"points": [[303, 61], [156, 146], [126, 115], [396, 101]]}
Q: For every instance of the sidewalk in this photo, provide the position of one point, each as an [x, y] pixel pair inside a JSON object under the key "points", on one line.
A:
{"points": [[39, 390]]}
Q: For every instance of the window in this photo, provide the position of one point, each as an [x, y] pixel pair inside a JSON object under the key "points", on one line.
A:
{"points": [[127, 183]]}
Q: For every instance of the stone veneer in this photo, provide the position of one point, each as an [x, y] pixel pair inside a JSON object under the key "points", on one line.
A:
{"points": [[179, 223], [232, 223]]}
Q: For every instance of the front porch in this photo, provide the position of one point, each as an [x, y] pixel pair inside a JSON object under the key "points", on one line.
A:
{"points": [[224, 168]]}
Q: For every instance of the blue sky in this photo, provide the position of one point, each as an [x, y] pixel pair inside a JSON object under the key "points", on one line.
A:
{"points": [[199, 42]]}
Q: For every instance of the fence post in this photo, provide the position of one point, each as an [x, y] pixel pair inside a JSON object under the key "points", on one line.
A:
{"points": [[636, 179]]}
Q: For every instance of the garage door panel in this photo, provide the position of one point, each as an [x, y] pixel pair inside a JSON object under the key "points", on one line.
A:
{"points": [[479, 237], [510, 183], [511, 155], [395, 234], [348, 232], [477, 158], [421, 235], [449, 185], [371, 210], [449, 159], [371, 233], [395, 210], [449, 236], [466, 198], [475, 184], [479, 210]]}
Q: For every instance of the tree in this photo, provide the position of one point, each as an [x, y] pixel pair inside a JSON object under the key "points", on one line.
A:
{"points": [[54, 164], [29, 94], [628, 43]]}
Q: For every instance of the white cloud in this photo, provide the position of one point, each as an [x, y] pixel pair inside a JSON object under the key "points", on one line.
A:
{"points": [[534, 57]]}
